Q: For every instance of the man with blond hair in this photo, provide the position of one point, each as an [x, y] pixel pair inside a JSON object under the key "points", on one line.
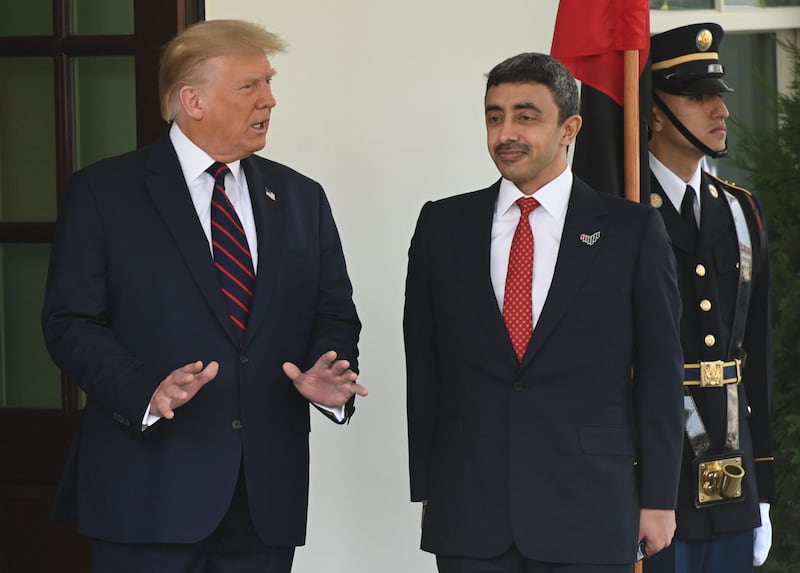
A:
{"points": [[198, 294]]}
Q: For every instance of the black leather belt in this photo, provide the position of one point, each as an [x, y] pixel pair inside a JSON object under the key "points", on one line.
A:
{"points": [[712, 374]]}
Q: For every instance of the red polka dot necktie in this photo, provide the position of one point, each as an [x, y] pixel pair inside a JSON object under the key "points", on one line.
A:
{"points": [[231, 252], [517, 301]]}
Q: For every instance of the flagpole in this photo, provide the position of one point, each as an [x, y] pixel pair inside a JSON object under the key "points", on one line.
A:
{"points": [[631, 131], [631, 123]]}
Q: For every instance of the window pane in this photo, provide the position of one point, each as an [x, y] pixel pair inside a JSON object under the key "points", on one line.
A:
{"points": [[28, 377], [768, 3], [28, 18], [27, 140], [681, 4], [750, 64], [102, 17], [762, 3], [105, 107]]}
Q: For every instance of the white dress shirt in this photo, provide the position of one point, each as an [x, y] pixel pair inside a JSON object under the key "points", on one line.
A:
{"points": [[547, 223], [194, 162], [674, 187]]}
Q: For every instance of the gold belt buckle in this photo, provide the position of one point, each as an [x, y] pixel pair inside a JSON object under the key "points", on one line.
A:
{"points": [[711, 373]]}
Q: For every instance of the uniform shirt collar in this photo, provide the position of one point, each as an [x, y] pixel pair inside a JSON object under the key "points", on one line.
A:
{"points": [[674, 186]]}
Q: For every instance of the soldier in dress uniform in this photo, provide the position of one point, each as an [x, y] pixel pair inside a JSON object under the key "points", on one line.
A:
{"points": [[719, 240]]}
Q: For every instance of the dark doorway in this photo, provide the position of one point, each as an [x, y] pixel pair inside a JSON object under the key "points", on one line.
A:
{"points": [[79, 82]]}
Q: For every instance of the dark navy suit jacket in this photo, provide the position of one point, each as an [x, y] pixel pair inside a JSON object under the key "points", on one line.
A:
{"points": [[132, 294], [558, 453]]}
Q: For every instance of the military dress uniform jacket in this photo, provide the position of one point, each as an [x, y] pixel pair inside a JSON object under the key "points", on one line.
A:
{"points": [[708, 277]]}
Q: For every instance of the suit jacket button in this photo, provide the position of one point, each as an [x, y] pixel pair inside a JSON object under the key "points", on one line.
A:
{"points": [[243, 359], [517, 386], [236, 424]]}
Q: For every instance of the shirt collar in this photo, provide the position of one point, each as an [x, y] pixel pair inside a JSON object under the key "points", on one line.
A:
{"points": [[553, 196], [193, 160], [674, 186]]}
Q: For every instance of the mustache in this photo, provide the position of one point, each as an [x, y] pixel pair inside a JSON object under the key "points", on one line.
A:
{"points": [[502, 147]]}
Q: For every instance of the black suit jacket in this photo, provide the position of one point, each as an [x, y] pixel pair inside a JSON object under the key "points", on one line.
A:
{"points": [[717, 250], [558, 453], [132, 294]]}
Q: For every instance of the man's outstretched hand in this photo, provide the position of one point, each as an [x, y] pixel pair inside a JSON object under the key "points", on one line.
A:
{"points": [[181, 386], [329, 382]]}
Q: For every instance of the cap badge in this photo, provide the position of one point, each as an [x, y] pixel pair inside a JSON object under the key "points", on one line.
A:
{"points": [[656, 200], [703, 39]]}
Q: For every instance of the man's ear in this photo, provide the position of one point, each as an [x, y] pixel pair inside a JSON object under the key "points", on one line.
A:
{"points": [[191, 102], [570, 128], [658, 119]]}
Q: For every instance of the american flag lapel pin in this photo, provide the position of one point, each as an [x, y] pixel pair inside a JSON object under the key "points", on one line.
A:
{"points": [[590, 240], [270, 195]]}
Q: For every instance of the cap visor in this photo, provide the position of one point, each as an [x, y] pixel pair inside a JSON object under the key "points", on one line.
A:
{"points": [[704, 86]]}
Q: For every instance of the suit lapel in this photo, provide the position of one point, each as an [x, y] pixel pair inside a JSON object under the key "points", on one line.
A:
{"points": [[676, 227], [471, 235], [715, 215], [575, 257], [266, 195], [167, 188]]}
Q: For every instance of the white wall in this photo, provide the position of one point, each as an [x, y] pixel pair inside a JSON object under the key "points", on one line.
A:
{"points": [[382, 103]]}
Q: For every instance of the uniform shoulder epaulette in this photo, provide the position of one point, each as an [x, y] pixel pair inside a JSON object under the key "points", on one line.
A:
{"points": [[752, 202], [728, 184]]}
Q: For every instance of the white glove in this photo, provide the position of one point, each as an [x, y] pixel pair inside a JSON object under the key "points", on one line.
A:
{"points": [[762, 536]]}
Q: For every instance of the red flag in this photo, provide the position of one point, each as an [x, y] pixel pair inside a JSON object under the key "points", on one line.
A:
{"points": [[590, 37]]}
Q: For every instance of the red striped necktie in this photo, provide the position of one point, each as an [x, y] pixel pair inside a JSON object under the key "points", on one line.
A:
{"points": [[231, 252]]}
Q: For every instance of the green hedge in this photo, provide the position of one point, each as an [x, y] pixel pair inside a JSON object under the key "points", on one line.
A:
{"points": [[772, 159]]}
